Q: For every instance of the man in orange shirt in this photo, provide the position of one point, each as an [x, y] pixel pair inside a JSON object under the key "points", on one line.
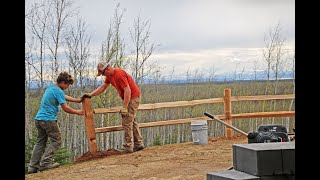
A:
{"points": [[130, 94]]}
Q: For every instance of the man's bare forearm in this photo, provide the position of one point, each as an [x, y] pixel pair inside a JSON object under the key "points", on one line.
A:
{"points": [[99, 90]]}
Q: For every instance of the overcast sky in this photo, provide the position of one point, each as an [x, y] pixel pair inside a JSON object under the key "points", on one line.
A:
{"points": [[197, 34]]}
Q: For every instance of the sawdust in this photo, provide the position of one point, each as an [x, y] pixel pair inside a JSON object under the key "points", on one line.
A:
{"points": [[99, 154]]}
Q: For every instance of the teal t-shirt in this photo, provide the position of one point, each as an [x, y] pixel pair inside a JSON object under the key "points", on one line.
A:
{"points": [[52, 98]]}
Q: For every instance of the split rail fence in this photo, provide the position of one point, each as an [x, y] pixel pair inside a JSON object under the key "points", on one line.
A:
{"points": [[91, 130]]}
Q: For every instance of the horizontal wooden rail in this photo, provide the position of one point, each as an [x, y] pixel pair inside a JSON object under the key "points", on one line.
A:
{"points": [[195, 102], [263, 97], [188, 120], [162, 105], [264, 114]]}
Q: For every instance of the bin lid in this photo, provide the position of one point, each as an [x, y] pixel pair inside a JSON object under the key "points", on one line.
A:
{"points": [[198, 122]]}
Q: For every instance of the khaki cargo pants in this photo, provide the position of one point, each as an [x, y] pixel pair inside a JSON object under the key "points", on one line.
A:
{"points": [[46, 129], [132, 134]]}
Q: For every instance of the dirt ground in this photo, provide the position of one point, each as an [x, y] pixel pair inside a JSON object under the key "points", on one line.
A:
{"points": [[172, 161]]}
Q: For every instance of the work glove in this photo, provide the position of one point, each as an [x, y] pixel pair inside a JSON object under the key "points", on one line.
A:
{"points": [[124, 111], [85, 95]]}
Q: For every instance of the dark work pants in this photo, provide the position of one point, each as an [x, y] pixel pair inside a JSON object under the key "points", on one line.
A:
{"points": [[46, 129]]}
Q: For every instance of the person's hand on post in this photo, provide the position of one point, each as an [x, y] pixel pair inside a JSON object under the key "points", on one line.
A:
{"points": [[79, 100], [80, 112], [85, 95], [124, 111]]}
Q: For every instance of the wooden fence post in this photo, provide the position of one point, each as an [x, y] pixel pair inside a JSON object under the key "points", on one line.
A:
{"points": [[227, 111], [90, 128]]}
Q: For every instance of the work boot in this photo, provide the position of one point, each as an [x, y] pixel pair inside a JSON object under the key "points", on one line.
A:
{"points": [[138, 148], [32, 170], [124, 150], [50, 166]]}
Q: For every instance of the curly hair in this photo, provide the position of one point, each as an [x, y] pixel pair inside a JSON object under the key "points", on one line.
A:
{"points": [[66, 77]]}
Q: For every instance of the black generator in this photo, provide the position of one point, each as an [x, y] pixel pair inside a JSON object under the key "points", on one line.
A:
{"points": [[269, 133]]}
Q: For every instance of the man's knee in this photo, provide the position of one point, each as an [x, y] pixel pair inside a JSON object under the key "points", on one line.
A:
{"points": [[127, 121]]}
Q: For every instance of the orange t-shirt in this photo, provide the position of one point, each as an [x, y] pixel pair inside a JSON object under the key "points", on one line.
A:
{"points": [[120, 79]]}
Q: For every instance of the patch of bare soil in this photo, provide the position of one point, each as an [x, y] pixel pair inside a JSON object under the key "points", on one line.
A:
{"points": [[171, 161], [99, 154]]}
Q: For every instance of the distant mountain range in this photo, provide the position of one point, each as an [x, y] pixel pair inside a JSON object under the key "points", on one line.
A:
{"points": [[34, 84], [221, 78]]}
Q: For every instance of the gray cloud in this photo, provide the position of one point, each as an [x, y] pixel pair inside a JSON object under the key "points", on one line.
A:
{"points": [[187, 24], [196, 34]]}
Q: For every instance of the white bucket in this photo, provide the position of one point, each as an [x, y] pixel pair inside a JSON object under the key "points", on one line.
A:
{"points": [[199, 129]]}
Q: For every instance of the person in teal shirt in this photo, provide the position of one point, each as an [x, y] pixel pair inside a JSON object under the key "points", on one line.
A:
{"points": [[53, 100]]}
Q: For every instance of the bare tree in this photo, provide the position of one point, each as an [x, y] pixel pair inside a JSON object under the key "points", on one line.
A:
{"points": [[240, 75], [143, 48], [112, 49], [294, 87], [77, 42], [212, 74], [28, 62], [274, 54], [269, 50], [171, 74], [61, 12], [117, 41], [280, 61], [156, 76], [188, 75], [36, 24], [237, 64], [197, 77], [107, 51], [255, 69]]}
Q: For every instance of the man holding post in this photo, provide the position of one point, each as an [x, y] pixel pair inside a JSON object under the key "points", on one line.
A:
{"points": [[130, 94]]}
